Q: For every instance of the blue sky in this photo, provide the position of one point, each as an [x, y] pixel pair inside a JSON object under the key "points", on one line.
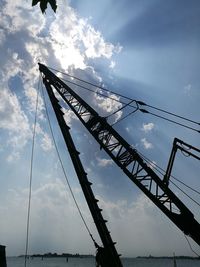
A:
{"points": [[147, 50]]}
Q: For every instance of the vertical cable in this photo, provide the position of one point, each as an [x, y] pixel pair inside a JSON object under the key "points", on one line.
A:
{"points": [[191, 247], [31, 176]]}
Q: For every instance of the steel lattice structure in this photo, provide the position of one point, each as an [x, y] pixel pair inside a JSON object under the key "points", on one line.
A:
{"points": [[109, 256], [126, 157]]}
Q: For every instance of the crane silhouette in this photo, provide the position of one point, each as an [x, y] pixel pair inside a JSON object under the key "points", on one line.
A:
{"points": [[125, 156]]}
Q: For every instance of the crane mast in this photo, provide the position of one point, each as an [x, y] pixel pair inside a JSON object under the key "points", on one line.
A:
{"points": [[108, 256], [126, 157]]}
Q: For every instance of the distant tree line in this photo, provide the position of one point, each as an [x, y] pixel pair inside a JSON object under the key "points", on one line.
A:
{"points": [[63, 255]]}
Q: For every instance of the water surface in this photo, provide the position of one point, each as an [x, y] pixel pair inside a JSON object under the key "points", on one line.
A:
{"points": [[90, 262]]}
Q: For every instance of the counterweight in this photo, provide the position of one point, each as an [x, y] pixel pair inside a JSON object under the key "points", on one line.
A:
{"points": [[127, 158]]}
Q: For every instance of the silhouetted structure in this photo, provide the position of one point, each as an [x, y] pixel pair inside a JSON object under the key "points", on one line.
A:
{"points": [[107, 256], [175, 265], [3, 256], [125, 156], [184, 148]]}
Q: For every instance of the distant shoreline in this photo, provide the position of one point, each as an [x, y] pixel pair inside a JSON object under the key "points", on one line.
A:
{"points": [[55, 255], [168, 257], [77, 255]]}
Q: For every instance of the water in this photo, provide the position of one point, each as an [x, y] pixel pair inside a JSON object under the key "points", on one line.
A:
{"points": [[90, 262]]}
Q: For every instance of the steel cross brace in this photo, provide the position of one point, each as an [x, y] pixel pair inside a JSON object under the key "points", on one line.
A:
{"points": [[126, 158]]}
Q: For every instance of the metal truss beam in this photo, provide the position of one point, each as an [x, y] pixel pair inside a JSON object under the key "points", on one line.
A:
{"points": [[127, 158], [109, 255]]}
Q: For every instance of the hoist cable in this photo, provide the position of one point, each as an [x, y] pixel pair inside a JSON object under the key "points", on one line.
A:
{"points": [[162, 172], [123, 107], [172, 121], [92, 84], [129, 104], [151, 163], [186, 194], [137, 104], [63, 169], [185, 185], [173, 114], [98, 93], [125, 97], [114, 99], [191, 247], [121, 119], [31, 175], [151, 113]]}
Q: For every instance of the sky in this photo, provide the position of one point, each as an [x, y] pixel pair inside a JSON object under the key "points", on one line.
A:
{"points": [[146, 50]]}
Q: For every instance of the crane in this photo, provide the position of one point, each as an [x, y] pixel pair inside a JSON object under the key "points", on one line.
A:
{"points": [[126, 157], [108, 255]]}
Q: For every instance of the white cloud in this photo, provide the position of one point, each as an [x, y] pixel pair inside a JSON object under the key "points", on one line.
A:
{"points": [[104, 162], [31, 94], [13, 119], [2, 36], [16, 16], [46, 143], [188, 89], [94, 43], [109, 105], [12, 67], [138, 228], [68, 55], [70, 42], [112, 64], [74, 40], [54, 220], [148, 127], [146, 144], [14, 156], [69, 116], [38, 51], [45, 140], [70, 39]]}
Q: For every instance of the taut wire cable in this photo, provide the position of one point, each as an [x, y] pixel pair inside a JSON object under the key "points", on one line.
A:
{"points": [[172, 121], [191, 247], [137, 107], [100, 94], [140, 103], [125, 97], [31, 176], [162, 172], [123, 107], [126, 116]]}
